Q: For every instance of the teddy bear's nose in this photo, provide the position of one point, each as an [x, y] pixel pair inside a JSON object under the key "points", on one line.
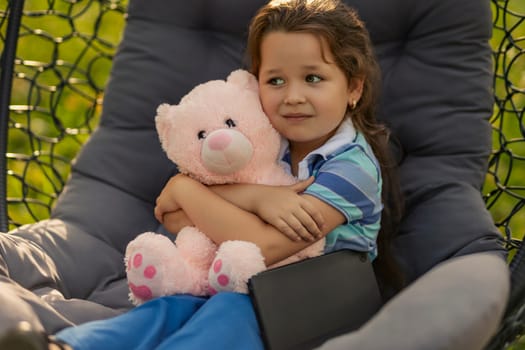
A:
{"points": [[219, 141], [226, 151]]}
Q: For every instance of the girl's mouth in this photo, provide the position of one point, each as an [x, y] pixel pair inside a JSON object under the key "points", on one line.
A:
{"points": [[296, 117]]}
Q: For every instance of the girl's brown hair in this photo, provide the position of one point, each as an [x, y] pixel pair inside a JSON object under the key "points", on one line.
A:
{"points": [[350, 44]]}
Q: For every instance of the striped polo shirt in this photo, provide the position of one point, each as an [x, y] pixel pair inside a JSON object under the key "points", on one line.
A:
{"points": [[347, 177]]}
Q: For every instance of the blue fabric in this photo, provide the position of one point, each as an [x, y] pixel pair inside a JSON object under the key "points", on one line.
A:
{"points": [[348, 178], [225, 321]]}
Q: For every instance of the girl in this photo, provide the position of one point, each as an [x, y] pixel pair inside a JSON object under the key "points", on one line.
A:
{"points": [[318, 83]]}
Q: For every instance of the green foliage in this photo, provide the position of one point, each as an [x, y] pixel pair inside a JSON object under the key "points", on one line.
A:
{"points": [[63, 59], [505, 185]]}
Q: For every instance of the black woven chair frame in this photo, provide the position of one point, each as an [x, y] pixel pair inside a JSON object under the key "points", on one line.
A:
{"points": [[50, 100]]}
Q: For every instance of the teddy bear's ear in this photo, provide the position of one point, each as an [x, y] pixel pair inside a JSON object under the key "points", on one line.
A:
{"points": [[244, 79], [163, 124]]}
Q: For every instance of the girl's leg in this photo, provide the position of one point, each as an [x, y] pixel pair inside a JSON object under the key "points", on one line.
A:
{"points": [[141, 328], [225, 321]]}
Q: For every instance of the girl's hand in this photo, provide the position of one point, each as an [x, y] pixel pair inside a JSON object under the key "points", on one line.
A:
{"points": [[166, 202], [174, 221], [290, 213]]}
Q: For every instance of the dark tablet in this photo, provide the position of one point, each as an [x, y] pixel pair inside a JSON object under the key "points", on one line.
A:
{"points": [[301, 305]]}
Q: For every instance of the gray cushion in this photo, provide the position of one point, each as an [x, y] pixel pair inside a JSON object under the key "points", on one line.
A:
{"points": [[455, 306], [436, 66], [436, 98]]}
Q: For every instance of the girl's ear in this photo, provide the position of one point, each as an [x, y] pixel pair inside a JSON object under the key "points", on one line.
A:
{"points": [[355, 90]]}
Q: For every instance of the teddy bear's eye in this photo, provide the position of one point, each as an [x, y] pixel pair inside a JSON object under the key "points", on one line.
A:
{"points": [[201, 135], [230, 123]]}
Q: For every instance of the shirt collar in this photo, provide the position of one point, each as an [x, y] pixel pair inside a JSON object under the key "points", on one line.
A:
{"points": [[344, 134]]}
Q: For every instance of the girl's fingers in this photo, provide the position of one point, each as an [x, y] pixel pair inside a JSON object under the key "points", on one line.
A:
{"points": [[316, 222], [286, 230], [299, 228], [307, 228]]}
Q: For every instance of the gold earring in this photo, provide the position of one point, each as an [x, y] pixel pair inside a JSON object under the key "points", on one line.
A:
{"points": [[354, 103]]}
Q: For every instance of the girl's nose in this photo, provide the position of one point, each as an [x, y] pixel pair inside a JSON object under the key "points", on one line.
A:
{"points": [[294, 96]]}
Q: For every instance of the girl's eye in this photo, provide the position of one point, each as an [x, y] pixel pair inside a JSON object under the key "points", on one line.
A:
{"points": [[201, 135], [276, 81], [230, 123], [312, 78]]}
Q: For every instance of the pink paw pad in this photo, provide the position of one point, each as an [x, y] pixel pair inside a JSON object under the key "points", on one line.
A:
{"points": [[136, 267], [217, 265], [141, 292], [149, 271], [137, 260], [219, 278], [222, 279]]}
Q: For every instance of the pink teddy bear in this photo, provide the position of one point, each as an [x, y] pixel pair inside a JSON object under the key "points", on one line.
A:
{"points": [[217, 134]]}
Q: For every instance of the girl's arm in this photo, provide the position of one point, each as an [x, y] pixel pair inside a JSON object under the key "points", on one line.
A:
{"points": [[174, 221], [222, 220], [280, 206]]}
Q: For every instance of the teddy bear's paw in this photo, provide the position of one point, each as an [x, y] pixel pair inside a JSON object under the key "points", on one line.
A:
{"points": [[142, 275], [234, 264], [219, 278], [155, 268]]}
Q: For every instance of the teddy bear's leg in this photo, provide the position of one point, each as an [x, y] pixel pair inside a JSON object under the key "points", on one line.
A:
{"points": [[196, 247], [198, 251], [234, 264], [155, 267]]}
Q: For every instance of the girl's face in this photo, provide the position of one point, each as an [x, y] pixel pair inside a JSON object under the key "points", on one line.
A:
{"points": [[303, 91]]}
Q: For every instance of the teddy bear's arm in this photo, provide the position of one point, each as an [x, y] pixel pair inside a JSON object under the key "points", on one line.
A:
{"points": [[222, 221]]}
